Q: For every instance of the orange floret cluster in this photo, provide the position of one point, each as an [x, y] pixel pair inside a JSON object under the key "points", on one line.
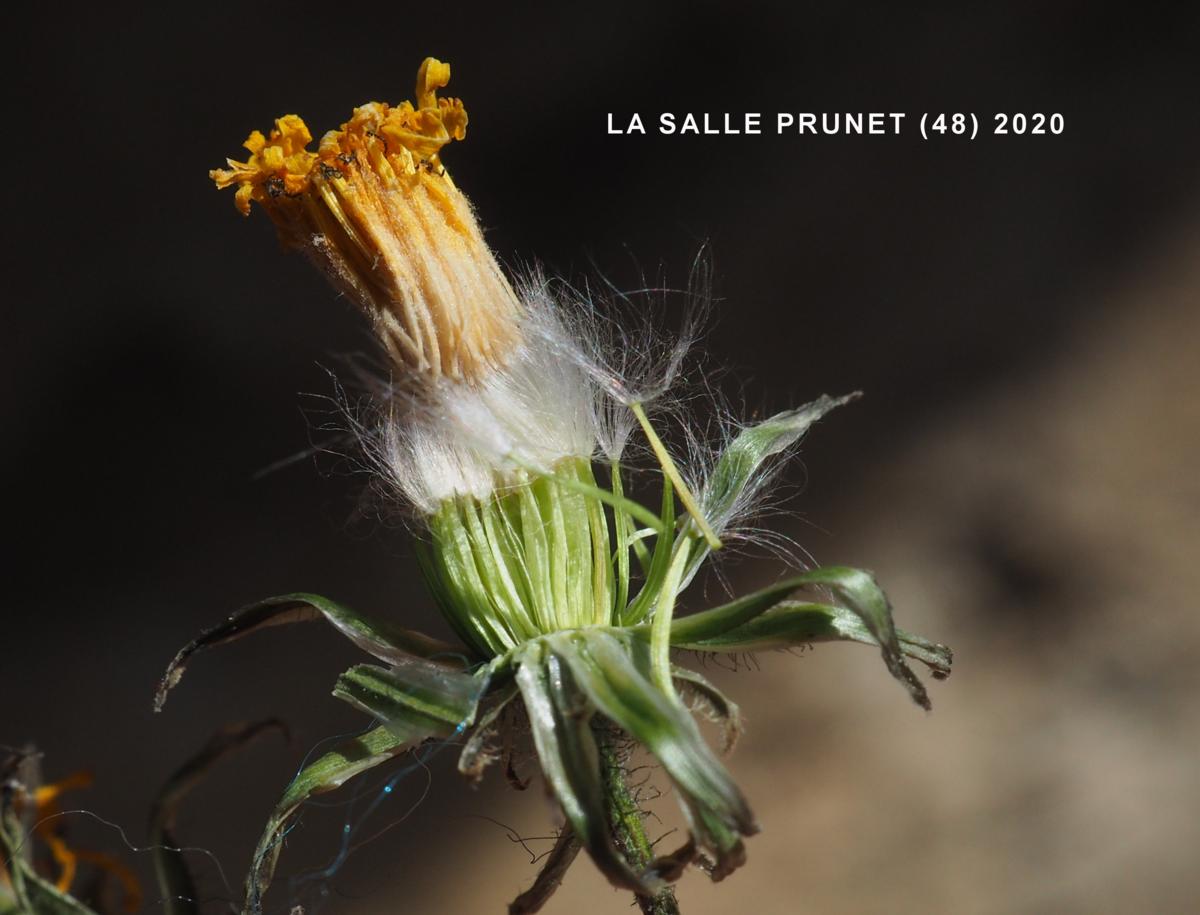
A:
{"points": [[278, 164], [376, 210], [281, 166]]}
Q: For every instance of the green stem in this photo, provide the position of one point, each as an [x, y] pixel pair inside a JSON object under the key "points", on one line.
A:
{"points": [[626, 821], [673, 474], [660, 626]]}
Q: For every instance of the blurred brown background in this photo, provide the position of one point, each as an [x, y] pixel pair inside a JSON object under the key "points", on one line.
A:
{"points": [[1022, 313]]}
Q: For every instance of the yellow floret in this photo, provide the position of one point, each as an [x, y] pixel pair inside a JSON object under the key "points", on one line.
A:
{"points": [[375, 209], [280, 165]]}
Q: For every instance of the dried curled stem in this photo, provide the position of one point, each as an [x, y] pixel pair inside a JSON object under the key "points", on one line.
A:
{"points": [[550, 878]]}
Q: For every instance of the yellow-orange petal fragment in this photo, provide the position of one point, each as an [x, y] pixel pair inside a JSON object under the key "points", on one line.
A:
{"points": [[376, 210], [47, 808], [45, 797], [432, 75], [278, 164]]}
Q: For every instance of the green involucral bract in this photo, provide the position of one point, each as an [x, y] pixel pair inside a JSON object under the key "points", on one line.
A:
{"points": [[533, 558], [563, 591]]}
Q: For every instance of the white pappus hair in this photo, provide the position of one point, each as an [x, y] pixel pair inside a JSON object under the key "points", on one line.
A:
{"points": [[564, 392]]}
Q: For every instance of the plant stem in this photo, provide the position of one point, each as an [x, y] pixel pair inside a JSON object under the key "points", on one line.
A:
{"points": [[673, 474], [626, 821], [550, 877]]}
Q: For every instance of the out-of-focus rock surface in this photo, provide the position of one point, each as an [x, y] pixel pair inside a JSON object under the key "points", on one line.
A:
{"points": [[1050, 531]]}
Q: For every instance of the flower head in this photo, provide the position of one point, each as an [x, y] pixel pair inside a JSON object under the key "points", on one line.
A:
{"points": [[504, 425], [31, 811], [374, 207]]}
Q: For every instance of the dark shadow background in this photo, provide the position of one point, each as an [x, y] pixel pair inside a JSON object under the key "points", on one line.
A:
{"points": [[156, 346]]}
